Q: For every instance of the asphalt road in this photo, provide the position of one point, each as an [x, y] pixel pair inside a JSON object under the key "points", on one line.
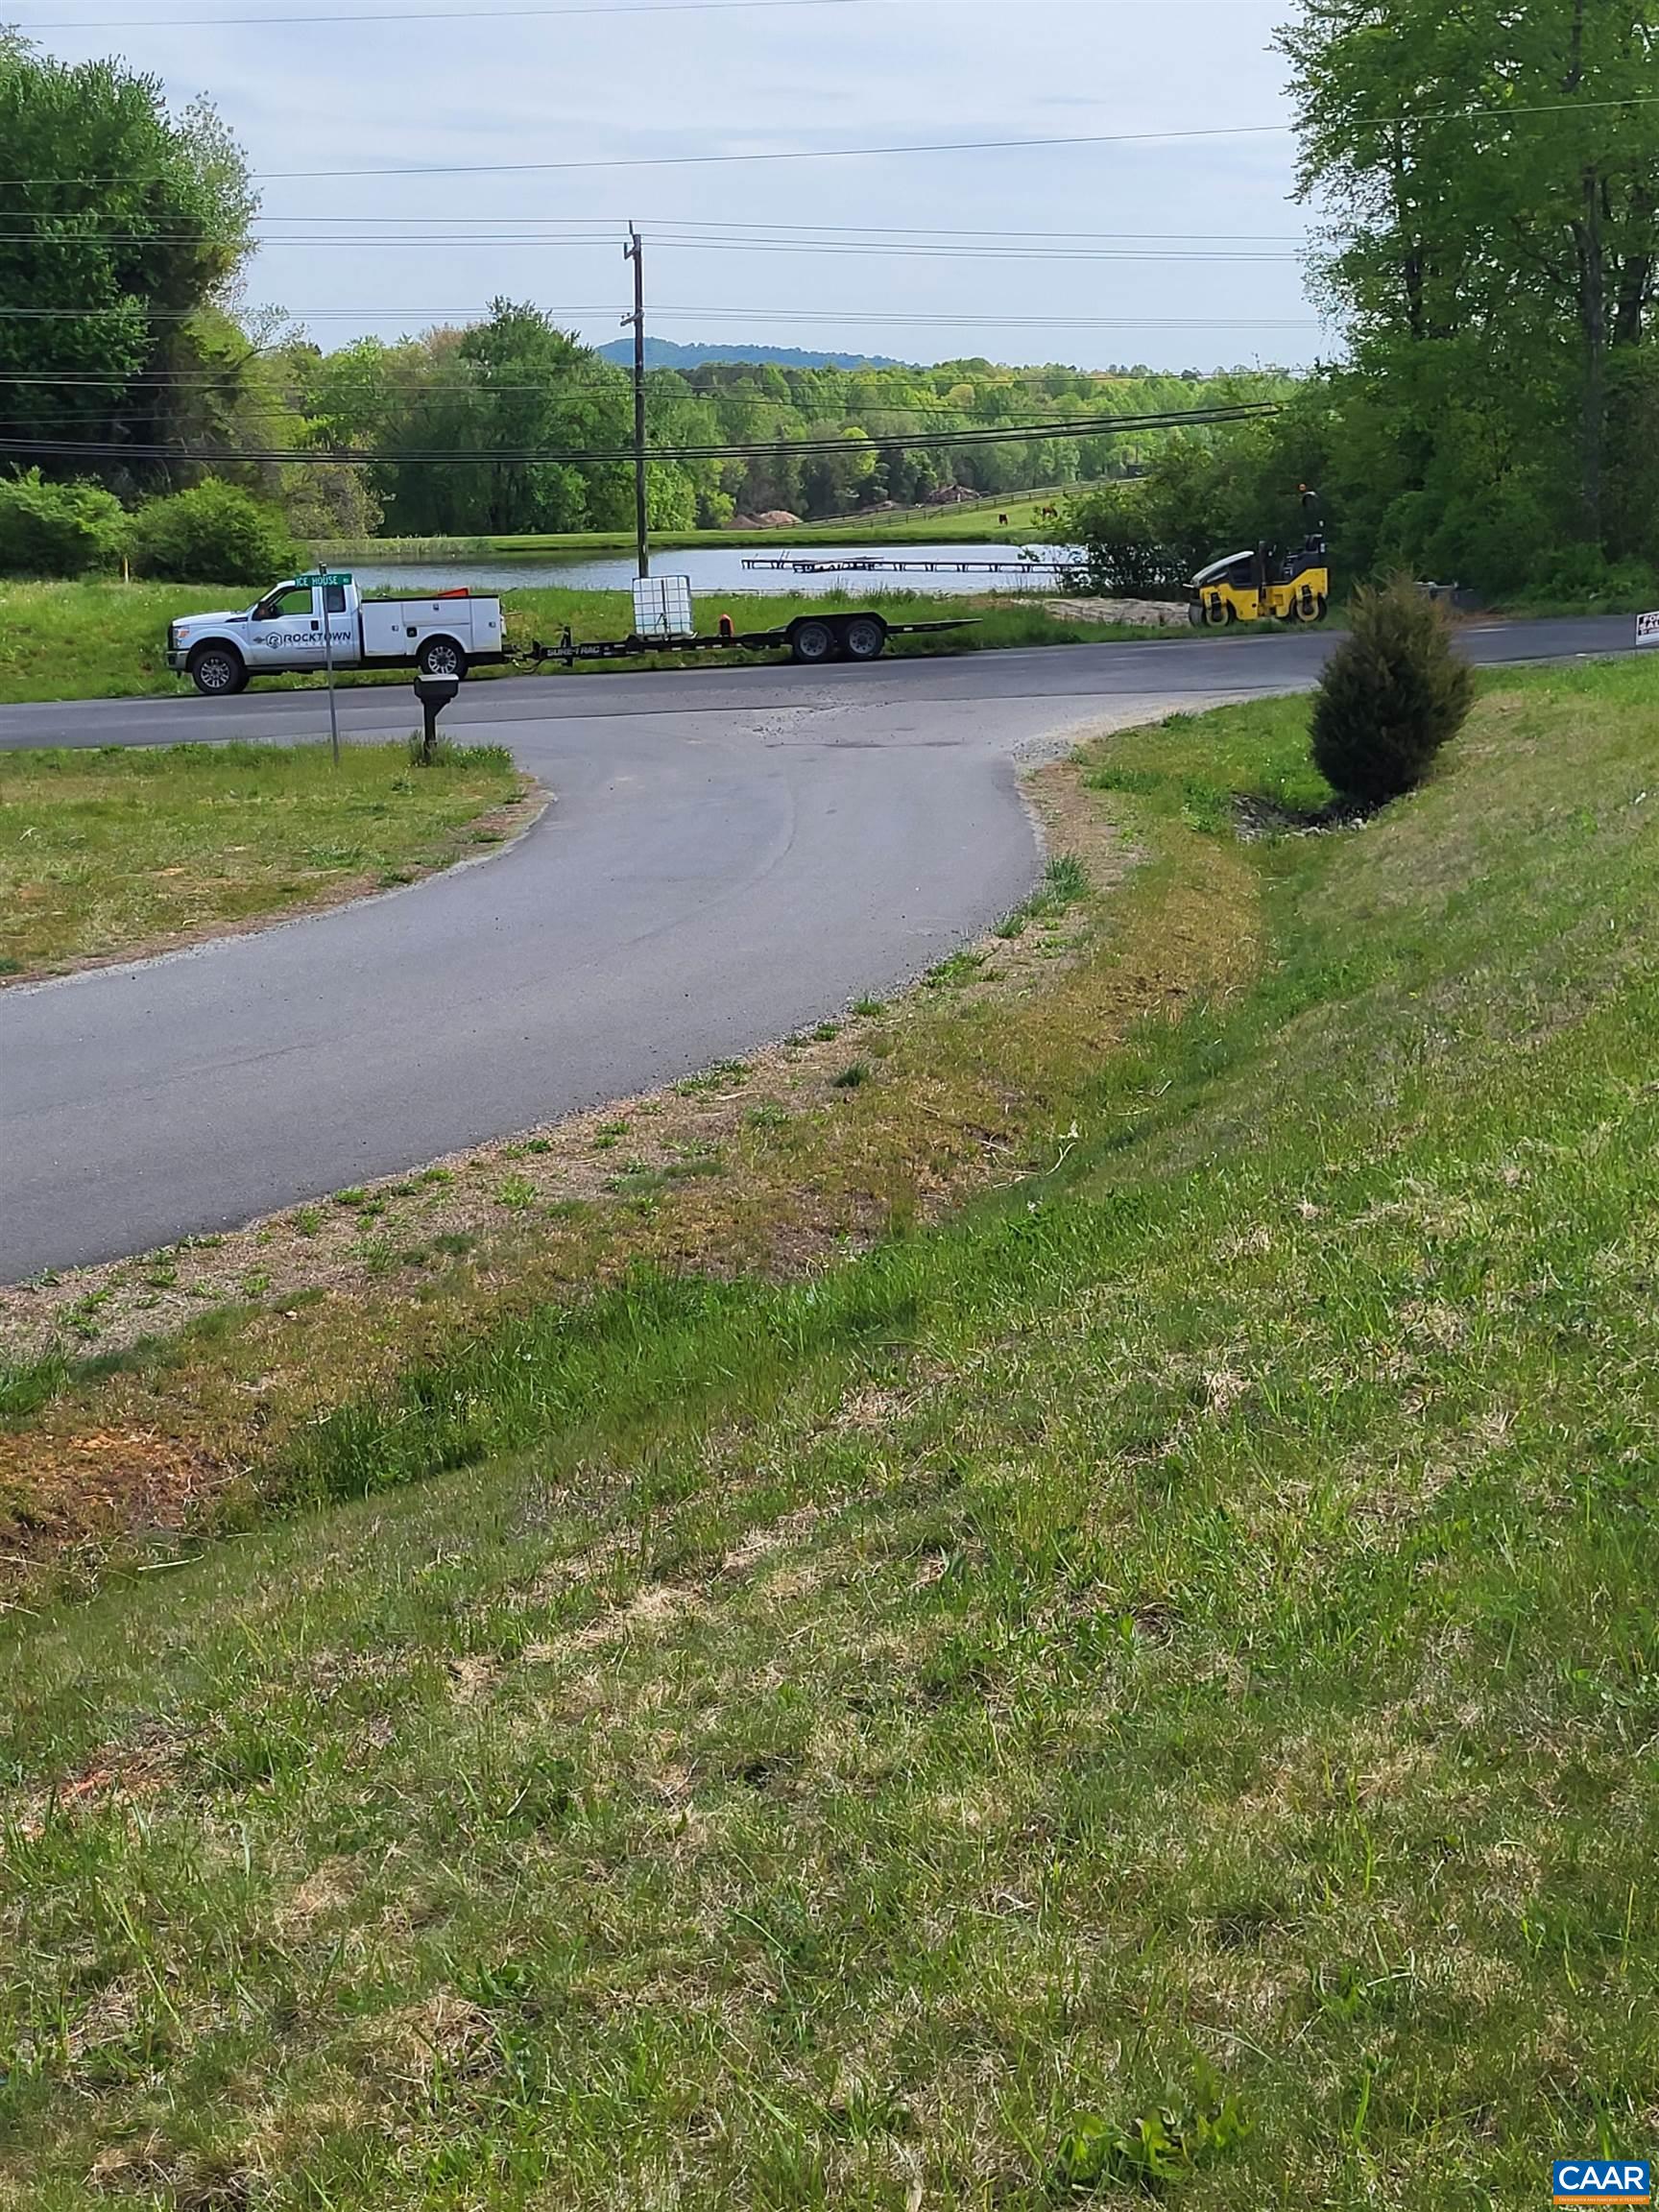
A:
{"points": [[731, 854]]}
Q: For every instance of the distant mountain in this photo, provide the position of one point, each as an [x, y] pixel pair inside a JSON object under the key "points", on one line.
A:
{"points": [[664, 353]]}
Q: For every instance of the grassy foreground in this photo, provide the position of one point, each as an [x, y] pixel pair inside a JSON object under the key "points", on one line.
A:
{"points": [[114, 852], [1150, 1686], [109, 641]]}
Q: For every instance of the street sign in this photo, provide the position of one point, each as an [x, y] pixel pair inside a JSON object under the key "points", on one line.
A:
{"points": [[320, 580], [1647, 629]]}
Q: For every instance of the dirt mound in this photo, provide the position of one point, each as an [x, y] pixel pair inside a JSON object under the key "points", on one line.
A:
{"points": [[1145, 614]]}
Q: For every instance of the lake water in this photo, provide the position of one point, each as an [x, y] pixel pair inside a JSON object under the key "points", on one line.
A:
{"points": [[718, 568]]}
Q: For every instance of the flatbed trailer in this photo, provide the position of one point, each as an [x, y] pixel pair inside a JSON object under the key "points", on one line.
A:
{"points": [[810, 640]]}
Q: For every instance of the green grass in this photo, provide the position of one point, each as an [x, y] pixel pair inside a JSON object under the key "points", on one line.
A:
{"points": [[102, 851], [977, 522], [1064, 884], [108, 641], [1148, 1686]]}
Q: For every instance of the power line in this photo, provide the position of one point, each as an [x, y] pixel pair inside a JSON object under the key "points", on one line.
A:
{"points": [[1507, 114], [861, 249], [433, 15], [852, 230], [969, 318], [864, 248], [949, 320], [966, 418], [147, 314], [714, 161], [1000, 434], [1001, 376]]}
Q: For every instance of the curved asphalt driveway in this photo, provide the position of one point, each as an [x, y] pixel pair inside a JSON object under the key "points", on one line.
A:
{"points": [[732, 853]]}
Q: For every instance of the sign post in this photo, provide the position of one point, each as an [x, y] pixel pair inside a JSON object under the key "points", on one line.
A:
{"points": [[320, 580], [1647, 629]]}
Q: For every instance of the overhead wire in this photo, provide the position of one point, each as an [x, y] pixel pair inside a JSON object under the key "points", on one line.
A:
{"points": [[313, 456], [919, 232], [1510, 113], [954, 320], [590, 8], [916, 251]]}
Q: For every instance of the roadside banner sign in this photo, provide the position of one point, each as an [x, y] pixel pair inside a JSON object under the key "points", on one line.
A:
{"points": [[1647, 629]]}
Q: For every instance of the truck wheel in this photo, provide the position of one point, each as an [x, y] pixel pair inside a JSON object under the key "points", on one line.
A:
{"points": [[864, 638], [218, 671], [442, 657], [811, 641]]}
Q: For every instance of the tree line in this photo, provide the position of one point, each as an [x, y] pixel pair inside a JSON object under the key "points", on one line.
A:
{"points": [[821, 442], [1486, 183]]}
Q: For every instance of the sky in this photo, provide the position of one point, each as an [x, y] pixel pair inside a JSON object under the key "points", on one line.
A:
{"points": [[1171, 252]]}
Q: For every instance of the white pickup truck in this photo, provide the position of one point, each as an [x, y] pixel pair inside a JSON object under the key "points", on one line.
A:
{"points": [[282, 633]]}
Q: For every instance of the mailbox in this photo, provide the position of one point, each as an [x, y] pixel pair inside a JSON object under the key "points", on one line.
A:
{"points": [[435, 693]]}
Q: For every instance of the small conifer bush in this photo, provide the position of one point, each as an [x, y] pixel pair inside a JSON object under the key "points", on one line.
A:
{"points": [[1393, 692]]}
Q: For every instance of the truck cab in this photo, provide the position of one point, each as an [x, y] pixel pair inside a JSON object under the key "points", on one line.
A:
{"points": [[285, 628]]}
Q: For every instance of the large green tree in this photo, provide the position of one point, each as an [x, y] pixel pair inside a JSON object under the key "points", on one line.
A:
{"points": [[1489, 170], [122, 225]]}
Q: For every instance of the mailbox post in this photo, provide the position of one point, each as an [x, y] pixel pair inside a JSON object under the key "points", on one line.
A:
{"points": [[435, 693]]}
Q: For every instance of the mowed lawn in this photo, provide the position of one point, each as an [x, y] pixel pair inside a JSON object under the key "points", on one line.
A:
{"points": [[102, 640], [113, 851], [1147, 1690]]}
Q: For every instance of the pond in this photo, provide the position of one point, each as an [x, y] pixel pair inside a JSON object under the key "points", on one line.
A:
{"points": [[716, 568]]}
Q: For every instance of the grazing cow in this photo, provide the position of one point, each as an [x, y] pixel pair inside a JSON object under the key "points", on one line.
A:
{"points": [[1003, 519]]}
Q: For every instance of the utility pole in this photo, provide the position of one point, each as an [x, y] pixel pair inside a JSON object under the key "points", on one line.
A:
{"points": [[635, 251]]}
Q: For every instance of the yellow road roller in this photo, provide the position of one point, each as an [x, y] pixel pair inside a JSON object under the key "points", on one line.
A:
{"points": [[1262, 585]]}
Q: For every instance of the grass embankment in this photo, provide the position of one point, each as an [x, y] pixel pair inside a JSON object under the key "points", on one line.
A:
{"points": [[109, 641], [1179, 1638], [978, 522], [114, 853]]}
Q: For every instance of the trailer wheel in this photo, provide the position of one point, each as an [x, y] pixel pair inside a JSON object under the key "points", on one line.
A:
{"points": [[811, 641], [864, 638], [442, 657], [218, 671]]}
